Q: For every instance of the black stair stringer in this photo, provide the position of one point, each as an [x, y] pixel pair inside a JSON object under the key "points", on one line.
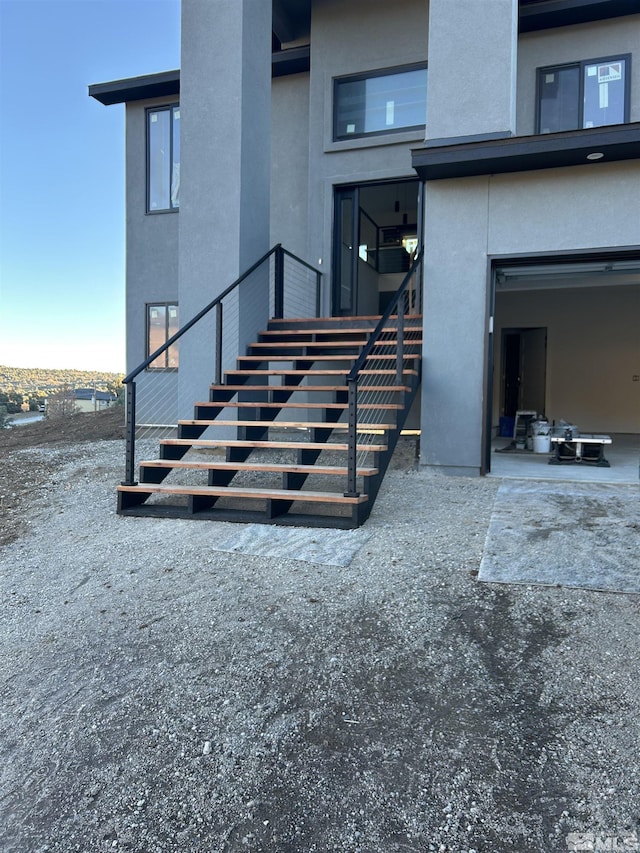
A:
{"points": [[372, 484]]}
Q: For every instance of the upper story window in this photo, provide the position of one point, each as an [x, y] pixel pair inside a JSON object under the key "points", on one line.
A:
{"points": [[163, 158], [584, 94], [380, 102], [162, 324]]}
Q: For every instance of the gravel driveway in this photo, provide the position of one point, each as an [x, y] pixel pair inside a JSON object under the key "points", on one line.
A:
{"points": [[162, 696]]}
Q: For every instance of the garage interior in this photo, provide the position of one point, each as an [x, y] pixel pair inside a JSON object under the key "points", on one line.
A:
{"points": [[567, 347]]}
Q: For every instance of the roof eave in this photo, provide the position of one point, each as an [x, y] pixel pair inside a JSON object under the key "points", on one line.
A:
{"points": [[434, 161]]}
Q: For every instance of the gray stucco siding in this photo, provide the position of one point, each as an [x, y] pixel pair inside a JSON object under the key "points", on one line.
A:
{"points": [[465, 222], [152, 239], [574, 44], [290, 162]]}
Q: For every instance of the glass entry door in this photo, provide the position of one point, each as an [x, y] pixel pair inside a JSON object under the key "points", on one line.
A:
{"points": [[345, 281], [376, 228]]}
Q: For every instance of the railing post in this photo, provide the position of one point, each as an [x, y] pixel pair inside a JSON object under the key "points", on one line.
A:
{"points": [[278, 296], [130, 453], [218, 370], [400, 343], [352, 457]]}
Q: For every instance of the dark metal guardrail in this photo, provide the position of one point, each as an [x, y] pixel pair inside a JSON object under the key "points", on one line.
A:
{"points": [[294, 291], [407, 301]]}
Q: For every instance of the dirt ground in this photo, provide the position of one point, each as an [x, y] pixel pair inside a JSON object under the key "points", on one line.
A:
{"points": [[22, 478], [160, 695]]}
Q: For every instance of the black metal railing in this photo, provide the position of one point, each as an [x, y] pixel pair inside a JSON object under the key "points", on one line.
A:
{"points": [[294, 291], [381, 365]]}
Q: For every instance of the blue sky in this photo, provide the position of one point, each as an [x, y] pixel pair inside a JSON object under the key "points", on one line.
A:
{"points": [[62, 214]]}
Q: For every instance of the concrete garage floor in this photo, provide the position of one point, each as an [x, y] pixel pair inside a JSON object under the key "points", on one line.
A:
{"points": [[623, 454]]}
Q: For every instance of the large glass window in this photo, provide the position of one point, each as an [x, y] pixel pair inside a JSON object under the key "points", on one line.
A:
{"points": [[382, 102], [593, 93], [163, 159], [162, 323]]}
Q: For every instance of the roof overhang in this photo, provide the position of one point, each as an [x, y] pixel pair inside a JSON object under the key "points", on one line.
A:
{"points": [[167, 84], [544, 14], [436, 161]]}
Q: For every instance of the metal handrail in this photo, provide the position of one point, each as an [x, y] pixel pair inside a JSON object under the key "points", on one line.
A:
{"points": [[352, 377], [170, 341], [278, 312]]}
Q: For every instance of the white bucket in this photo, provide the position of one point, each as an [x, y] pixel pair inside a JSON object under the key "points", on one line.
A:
{"points": [[541, 443]]}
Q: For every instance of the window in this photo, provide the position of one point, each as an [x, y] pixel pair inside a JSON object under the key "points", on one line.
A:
{"points": [[162, 323], [163, 159], [381, 102], [585, 94]]}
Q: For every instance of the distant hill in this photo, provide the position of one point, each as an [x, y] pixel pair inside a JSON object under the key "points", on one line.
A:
{"points": [[40, 381]]}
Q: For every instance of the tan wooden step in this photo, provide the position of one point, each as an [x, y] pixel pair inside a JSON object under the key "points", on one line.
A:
{"points": [[273, 467], [306, 387], [370, 318], [252, 493], [266, 445], [337, 330], [326, 344], [362, 427], [290, 358], [328, 372], [235, 404]]}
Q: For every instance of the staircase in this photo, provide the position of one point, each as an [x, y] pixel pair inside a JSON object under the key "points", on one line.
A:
{"points": [[297, 445]]}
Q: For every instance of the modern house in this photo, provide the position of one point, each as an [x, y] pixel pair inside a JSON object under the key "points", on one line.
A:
{"points": [[482, 154]]}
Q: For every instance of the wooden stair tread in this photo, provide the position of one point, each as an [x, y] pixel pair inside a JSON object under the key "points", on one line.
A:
{"points": [[317, 358], [373, 318], [240, 404], [306, 387], [278, 445], [276, 467], [328, 372], [328, 344], [240, 492], [362, 427], [362, 330]]}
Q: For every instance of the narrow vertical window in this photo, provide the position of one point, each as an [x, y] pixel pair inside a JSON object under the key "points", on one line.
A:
{"points": [[162, 324], [163, 159]]}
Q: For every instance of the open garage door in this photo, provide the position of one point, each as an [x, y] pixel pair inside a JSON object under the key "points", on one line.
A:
{"points": [[567, 343]]}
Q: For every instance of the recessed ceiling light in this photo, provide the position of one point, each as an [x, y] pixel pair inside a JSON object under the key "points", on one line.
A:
{"points": [[595, 155]]}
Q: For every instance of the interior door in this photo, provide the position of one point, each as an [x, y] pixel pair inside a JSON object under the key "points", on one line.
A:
{"points": [[524, 371], [533, 369]]}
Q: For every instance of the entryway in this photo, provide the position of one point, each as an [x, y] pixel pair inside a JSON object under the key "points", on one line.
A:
{"points": [[376, 228]]}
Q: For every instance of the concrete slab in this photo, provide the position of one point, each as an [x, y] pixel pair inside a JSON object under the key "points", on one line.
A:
{"points": [[310, 545], [584, 535]]}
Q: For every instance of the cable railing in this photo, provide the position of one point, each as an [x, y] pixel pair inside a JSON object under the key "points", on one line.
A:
{"points": [[379, 374], [154, 395]]}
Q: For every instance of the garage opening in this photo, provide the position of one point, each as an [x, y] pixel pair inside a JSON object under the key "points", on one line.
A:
{"points": [[566, 353]]}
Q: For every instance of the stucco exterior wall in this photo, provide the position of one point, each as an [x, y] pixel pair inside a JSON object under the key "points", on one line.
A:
{"points": [[466, 221], [472, 62], [362, 35], [574, 44], [152, 239], [290, 162], [152, 265]]}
